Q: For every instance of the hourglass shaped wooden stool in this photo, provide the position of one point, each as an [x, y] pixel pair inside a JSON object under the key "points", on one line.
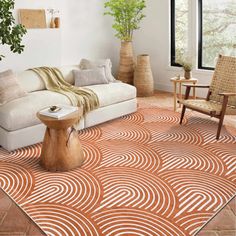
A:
{"points": [[61, 150]]}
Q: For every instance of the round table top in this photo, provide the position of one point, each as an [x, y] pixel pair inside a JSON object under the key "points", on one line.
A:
{"points": [[61, 123], [182, 79]]}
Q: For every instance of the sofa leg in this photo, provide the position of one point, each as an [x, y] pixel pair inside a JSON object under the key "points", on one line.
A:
{"points": [[182, 114]]}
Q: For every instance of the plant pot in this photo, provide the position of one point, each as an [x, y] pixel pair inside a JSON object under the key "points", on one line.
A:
{"points": [[52, 23], [126, 65], [187, 74], [143, 78], [57, 22]]}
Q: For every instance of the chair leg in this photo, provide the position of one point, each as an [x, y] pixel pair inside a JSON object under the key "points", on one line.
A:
{"points": [[219, 127], [182, 114], [222, 115]]}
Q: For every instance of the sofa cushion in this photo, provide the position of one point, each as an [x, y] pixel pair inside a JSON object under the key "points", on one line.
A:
{"points": [[67, 72], [31, 82], [112, 93], [21, 113], [86, 64], [9, 87], [90, 77]]}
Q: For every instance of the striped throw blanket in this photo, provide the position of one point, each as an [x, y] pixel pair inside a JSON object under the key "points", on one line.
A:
{"points": [[54, 81]]}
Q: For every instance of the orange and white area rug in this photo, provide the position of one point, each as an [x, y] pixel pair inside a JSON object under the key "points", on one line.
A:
{"points": [[144, 174]]}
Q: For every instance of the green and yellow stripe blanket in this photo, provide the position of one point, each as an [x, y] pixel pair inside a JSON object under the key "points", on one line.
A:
{"points": [[54, 81]]}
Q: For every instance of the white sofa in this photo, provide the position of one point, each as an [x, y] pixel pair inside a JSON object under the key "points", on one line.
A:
{"points": [[19, 126]]}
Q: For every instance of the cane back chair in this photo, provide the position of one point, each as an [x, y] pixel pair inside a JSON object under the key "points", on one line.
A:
{"points": [[221, 98]]}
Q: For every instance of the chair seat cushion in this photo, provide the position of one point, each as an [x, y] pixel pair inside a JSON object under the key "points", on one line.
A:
{"points": [[208, 107]]}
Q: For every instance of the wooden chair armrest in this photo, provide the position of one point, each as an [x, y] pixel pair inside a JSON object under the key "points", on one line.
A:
{"points": [[197, 85], [227, 94]]}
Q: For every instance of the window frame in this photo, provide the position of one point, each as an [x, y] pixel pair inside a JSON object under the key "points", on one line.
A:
{"points": [[200, 37], [172, 33]]}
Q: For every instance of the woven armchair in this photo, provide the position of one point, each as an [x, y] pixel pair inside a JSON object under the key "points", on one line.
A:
{"points": [[221, 98]]}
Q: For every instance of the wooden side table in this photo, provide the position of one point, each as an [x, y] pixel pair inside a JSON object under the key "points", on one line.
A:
{"points": [[180, 81], [61, 149]]}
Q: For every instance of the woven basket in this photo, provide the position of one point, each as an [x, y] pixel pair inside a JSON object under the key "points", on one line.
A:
{"points": [[143, 79], [126, 66]]}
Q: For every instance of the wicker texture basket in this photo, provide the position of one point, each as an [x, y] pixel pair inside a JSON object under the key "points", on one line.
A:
{"points": [[126, 66], [224, 80], [143, 78]]}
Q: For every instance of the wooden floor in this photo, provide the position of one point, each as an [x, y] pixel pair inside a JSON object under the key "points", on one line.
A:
{"points": [[14, 222], [224, 224]]}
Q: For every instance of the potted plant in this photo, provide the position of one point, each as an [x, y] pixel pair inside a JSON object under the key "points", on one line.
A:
{"points": [[10, 33], [187, 66], [127, 16]]}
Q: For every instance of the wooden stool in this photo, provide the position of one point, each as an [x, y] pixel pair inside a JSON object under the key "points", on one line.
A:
{"points": [[61, 149]]}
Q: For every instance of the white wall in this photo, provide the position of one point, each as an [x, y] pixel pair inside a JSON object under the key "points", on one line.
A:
{"points": [[154, 39], [84, 32], [42, 46]]}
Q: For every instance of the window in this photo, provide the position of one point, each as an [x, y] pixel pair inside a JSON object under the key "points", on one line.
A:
{"points": [[179, 30], [217, 31], [216, 23]]}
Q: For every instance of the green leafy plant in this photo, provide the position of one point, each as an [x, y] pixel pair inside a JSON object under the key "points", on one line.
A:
{"points": [[185, 63], [127, 15], [187, 66], [10, 32]]}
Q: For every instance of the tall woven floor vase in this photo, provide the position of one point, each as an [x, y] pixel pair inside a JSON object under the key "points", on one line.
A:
{"points": [[143, 78], [126, 66]]}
